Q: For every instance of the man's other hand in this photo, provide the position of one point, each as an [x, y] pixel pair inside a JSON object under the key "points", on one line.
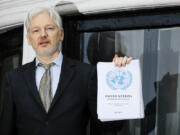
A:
{"points": [[121, 61]]}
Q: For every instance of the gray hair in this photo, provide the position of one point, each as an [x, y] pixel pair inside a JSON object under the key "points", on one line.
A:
{"points": [[53, 14]]}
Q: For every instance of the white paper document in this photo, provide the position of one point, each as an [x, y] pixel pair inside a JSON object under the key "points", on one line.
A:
{"points": [[119, 91]]}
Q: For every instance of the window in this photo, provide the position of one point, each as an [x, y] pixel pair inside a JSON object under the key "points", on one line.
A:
{"points": [[151, 36], [10, 53]]}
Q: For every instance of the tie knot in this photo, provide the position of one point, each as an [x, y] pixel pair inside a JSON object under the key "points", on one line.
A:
{"points": [[46, 66]]}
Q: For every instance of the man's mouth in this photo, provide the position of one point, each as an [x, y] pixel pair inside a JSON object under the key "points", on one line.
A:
{"points": [[44, 43]]}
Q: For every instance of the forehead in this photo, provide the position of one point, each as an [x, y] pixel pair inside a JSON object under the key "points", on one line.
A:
{"points": [[41, 19]]}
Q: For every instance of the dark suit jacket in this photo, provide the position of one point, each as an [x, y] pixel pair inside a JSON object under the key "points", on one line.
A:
{"points": [[75, 98]]}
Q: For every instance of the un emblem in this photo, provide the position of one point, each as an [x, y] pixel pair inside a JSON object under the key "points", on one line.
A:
{"points": [[119, 79]]}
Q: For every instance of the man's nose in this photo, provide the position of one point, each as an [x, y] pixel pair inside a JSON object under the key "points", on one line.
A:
{"points": [[44, 33]]}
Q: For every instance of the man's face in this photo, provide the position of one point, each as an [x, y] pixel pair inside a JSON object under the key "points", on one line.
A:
{"points": [[44, 35]]}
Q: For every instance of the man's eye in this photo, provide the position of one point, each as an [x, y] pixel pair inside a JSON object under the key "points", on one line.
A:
{"points": [[50, 28], [35, 31]]}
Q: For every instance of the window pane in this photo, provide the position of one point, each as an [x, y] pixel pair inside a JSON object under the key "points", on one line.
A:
{"points": [[168, 82], [158, 51], [7, 64]]}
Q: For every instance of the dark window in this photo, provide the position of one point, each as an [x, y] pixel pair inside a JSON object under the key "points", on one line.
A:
{"points": [[149, 35], [11, 41]]}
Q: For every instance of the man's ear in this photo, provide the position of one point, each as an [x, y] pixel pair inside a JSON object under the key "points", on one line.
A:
{"points": [[61, 36], [28, 39]]}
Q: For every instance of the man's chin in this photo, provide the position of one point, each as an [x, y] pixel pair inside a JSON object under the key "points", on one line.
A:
{"points": [[46, 53]]}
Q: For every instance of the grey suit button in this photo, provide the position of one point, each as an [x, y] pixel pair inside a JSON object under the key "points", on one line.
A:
{"points": [[47, 123]]}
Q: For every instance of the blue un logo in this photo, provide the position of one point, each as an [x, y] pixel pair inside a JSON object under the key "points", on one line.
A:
{"points": [[119, 79]]}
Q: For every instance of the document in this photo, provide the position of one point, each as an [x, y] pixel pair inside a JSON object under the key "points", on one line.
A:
{"points": [[119, 91]]}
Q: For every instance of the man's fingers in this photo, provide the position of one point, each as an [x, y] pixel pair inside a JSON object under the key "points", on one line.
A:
{"points": [[129, 60], [122, 61], [115, 56], [118, 61]]}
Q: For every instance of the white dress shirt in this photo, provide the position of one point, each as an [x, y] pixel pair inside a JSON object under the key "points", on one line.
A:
{"points": [[55, 73]]}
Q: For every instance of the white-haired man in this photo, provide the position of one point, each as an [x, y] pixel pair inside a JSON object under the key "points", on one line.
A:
{"points": [[52, 95]]}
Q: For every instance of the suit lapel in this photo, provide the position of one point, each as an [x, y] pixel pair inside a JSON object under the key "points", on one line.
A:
{"points": [[29, 76], [67, 72]]}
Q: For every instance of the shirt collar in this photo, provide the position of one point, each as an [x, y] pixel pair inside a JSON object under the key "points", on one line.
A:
{"points": [[57, 61]]}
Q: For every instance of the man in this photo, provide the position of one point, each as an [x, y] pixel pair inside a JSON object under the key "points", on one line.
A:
{"points": [[53, 95]]}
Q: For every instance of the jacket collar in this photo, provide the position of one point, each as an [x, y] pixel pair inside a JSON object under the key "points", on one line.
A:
{"points": [[67, 72]]}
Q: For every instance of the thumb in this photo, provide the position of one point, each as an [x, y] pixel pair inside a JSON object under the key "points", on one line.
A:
{"points": [[115, 56]]}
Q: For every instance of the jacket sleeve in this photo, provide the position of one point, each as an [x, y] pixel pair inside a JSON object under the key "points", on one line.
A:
{"points": [[105, 127], [7, 120]]}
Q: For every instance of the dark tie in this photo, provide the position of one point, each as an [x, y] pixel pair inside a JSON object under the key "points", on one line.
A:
{"points": [[45, 86]]}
